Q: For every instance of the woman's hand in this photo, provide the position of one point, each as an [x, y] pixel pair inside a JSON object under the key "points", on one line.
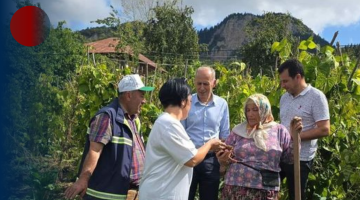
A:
{"points": [[217, 145], [223, 157], [226, 156]]}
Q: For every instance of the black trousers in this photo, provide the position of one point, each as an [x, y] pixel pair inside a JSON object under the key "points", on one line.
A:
{"points": [[206, 175], [288, 172]]}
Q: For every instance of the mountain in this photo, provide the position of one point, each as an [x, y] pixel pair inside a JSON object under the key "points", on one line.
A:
{"points": [[225, 38], [97, 33]]}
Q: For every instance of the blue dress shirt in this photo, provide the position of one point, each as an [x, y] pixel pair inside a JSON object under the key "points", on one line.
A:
{"points": [[206, 122]]}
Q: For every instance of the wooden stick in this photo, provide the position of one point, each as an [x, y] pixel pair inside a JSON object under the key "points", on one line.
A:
{"points": [[353, 72], [297, 167], [334, 37]]}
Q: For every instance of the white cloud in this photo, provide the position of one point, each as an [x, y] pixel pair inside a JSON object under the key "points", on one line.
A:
{"points": [[75, 11], [316, 14]]}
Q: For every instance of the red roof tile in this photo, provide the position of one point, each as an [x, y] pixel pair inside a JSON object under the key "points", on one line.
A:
{"points": [[108, 46]]}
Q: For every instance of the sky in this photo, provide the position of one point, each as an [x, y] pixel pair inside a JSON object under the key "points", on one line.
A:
{"points": [[323, 17]]}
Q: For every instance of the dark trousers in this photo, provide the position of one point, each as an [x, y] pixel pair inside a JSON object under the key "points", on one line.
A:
{"points": [[288, 172], [207, 176]]}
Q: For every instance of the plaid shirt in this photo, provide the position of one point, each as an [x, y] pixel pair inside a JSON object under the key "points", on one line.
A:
{"points": [[138, 158], [101, 131]]}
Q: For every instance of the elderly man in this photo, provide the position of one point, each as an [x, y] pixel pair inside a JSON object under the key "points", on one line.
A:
{"points": [[208, 118], [114, 153]]}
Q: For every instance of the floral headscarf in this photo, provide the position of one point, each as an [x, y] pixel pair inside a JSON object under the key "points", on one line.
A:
{"points": [[259, 132], [262, 102]]}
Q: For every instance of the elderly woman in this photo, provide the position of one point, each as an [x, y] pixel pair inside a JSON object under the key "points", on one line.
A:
{"points": [[256, 148], [170, 154]]}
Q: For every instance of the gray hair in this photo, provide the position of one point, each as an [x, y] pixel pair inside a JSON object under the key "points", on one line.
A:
{"points": [[208, 68]]}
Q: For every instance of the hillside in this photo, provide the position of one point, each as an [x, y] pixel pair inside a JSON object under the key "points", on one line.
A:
{"points": [[229, 35], [97, 33], [223, 39]]}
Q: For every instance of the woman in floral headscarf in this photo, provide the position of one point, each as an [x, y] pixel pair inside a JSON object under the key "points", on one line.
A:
{"points": [[259, 143]]}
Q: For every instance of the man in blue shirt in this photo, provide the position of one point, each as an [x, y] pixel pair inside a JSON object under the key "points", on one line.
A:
{"points": [[208, 118]]}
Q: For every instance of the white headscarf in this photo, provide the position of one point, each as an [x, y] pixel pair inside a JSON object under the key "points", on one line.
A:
{"points": [[258, 132]]}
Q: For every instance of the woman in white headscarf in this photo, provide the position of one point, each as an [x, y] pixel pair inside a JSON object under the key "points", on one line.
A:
{"points": [[258, 145]]}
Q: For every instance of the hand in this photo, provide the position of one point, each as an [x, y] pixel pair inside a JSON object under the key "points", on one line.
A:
{"points": [[226, 156], [223, 157], [79, 187], [217, 145], [296, 126]]}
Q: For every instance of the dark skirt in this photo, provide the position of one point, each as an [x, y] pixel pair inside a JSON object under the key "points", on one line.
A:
{"points": [[232, 192]]}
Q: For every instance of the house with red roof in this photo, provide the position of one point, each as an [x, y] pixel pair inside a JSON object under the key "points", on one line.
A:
{"points": [[108, 47]]}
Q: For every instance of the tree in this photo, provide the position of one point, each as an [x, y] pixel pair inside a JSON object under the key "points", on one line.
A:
{"points": [[263, 32], [139, 10], [130, 34], [32, 125], [170, 35]]}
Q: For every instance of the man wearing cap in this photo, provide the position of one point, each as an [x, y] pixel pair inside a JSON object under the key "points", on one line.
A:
{"points": [[114, 153]]}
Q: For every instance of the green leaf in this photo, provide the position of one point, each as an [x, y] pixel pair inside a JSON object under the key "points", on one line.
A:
{"points": [[274, 47], [83, 88], [310, 39], [327, 48], [303, 56], [241, 65], [354, 178], [325, 67], [325, 83], [311, 45], [311, 70], [312, 177], [283, 43], [302, 45], [357, 81]]}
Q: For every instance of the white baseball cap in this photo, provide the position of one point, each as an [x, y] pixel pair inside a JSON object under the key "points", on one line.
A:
{"points": [[132, 82]]}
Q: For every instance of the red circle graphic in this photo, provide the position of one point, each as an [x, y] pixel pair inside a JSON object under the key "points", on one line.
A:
{"points": [[30, 26]]}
